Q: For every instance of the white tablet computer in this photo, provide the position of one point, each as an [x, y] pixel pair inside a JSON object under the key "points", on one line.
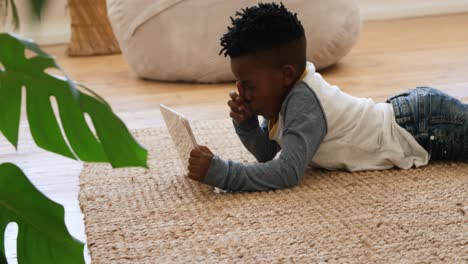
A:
{"points": [[181, 133]]}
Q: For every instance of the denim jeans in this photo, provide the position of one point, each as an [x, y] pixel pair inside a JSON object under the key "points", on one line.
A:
{"points": [[438, 122]]}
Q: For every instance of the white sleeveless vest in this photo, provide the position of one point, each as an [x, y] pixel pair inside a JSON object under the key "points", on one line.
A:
{"points": [[361, 134]]}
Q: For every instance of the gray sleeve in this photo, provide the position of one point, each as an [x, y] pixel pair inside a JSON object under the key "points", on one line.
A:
{"points": [[255, 139], [304, 130]]}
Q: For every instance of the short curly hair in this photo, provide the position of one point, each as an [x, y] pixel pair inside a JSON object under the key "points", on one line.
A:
{"points": [[260, 28]]}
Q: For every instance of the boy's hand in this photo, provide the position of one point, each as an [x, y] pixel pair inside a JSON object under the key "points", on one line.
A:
{"points": [[240, 110], [199, 163]]}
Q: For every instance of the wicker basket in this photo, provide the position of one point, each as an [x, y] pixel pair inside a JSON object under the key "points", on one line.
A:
{"points": [[91, 32]]}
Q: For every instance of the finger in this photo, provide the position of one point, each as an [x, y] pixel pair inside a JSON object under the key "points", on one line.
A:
{"points": [[233, 95], [195, 153], [193, 161], [205, 149], [246, 110], [233, 106], [193, 168], [240, 88], [239, 100], [243, 106], [195, 176], [238, 103], [211, 152], [236, 116], [192, 176]]}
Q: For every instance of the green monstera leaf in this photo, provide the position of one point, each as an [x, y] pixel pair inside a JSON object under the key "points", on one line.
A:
{"points": [[42, 234], [113, 144]]}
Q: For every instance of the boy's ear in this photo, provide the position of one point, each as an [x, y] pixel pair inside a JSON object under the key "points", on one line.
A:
{"points": [[289, 74]]}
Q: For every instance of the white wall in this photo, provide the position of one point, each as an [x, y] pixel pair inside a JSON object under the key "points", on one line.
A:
{"points": [[55, 26], [389, 9]]}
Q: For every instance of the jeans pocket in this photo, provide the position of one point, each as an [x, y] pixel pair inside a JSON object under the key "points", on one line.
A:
{"points": [[403, 110], [406, 93]]}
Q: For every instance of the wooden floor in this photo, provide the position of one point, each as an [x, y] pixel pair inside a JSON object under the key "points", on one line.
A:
{"points": [[390, 57]]}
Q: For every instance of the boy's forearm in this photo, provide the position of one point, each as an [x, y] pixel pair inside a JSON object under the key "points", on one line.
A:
{"points": [[234, 176], [256, 140]]}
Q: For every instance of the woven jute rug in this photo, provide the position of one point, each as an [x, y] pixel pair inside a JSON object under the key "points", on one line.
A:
{"points": [[159, 216]]}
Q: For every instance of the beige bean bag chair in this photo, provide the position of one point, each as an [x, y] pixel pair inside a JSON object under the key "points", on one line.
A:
{"points": [[178, 40]]}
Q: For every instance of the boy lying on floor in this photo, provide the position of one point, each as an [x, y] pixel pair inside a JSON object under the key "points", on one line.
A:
{"points": [[311, 121]]}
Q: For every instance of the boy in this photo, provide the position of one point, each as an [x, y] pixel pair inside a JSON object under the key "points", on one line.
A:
{"points": [[311, 121]]}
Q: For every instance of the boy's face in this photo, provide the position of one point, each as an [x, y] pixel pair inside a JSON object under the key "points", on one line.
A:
{"points": [[261, 84]]}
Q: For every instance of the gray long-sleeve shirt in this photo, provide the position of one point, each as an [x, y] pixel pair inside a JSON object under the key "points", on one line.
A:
{"points": [[303, 130]]}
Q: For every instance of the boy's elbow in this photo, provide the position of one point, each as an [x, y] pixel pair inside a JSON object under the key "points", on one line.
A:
{"points": [[292, 182], [288, 184], [292, 176]]}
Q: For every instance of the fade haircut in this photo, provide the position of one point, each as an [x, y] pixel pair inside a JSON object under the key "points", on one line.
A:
{"points": [[266, 27]]}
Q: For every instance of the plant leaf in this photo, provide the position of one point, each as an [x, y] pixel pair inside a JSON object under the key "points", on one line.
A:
{"points": [[113, 144], [42, 234]]}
